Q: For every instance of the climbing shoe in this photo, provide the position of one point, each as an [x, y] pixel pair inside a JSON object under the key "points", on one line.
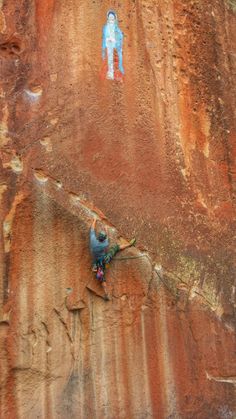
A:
{"points": [[106, 297], [132, 242]]}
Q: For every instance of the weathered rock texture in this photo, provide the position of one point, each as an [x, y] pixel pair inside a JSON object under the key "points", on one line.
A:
{"points": [[156, 155]]}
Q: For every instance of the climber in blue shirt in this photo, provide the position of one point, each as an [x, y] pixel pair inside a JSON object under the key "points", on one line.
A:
{"points": [[98, 245], [102, 256]]}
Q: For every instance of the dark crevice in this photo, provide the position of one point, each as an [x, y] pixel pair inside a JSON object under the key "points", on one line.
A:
{"points": [[6, 277], [11, 48]]}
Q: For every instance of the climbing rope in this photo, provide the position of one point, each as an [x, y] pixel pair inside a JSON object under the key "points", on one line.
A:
{"points": [[130, 257]]}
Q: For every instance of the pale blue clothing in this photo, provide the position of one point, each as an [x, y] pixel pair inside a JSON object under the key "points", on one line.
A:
{"points": [[116, 43], [118, 36], [98, 249]]}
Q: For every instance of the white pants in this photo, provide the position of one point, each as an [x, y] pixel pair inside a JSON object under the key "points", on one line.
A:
{"points": [[110, 59]]}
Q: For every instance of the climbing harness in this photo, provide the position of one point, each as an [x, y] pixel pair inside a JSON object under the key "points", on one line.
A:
{"points": [[99, 269], [100, 274]]}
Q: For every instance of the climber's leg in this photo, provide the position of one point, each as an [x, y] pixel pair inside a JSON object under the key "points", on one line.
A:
{"points": [[123, 246], [104, 286], [110, 61], [111, 253], [99, 269], [116, 248], [121, 68]]}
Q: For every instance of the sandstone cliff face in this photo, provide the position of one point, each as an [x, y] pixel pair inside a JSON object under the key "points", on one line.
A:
{"points": [[153, 156]]}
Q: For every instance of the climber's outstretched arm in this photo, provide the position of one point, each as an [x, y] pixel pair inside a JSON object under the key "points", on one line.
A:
{"points": [[93, 225], [106, 229], [92, 234]]}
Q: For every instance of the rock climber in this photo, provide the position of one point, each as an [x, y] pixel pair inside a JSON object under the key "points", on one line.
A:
{"points": [[102, 256], [112, 39]]}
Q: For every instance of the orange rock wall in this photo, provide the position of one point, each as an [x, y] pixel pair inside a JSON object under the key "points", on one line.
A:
{"points": [[153, 156]]}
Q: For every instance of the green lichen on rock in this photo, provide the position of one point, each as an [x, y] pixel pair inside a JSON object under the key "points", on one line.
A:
{"points": [[206, 275], [232, 4], [189, 272]]}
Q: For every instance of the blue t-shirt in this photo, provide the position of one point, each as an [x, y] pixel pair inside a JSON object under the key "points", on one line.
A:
{"points": [[98, 249]]}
